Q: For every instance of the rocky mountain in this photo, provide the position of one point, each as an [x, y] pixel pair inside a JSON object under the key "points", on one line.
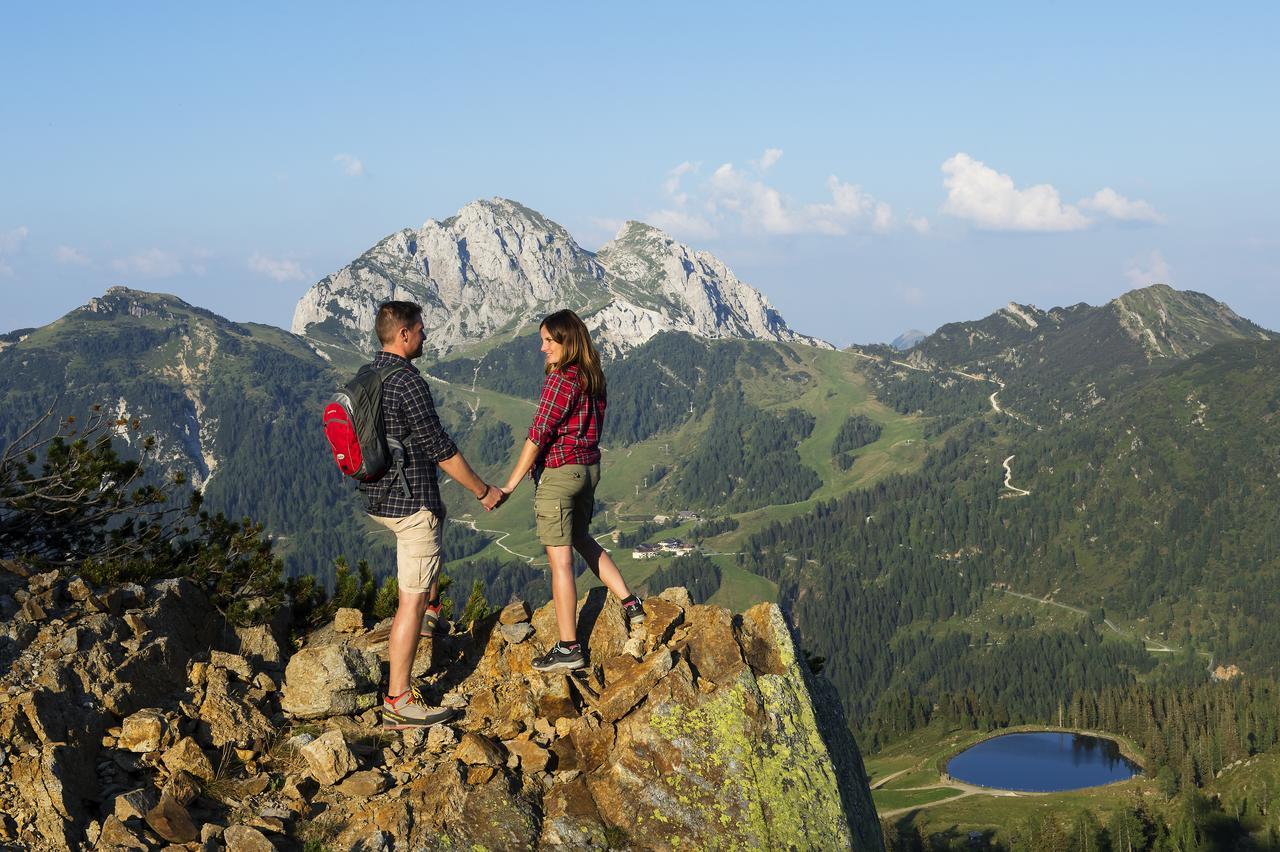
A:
{"points": [[908, 338], [1063, 361], [231, 405], [497, 266], [132, 717]]}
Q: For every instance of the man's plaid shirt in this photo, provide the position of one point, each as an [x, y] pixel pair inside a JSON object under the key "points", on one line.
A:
{"points": [[409, 414], [568, 422]]}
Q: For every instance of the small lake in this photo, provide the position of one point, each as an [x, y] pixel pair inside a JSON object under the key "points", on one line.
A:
{"points": [[1042, 762]]}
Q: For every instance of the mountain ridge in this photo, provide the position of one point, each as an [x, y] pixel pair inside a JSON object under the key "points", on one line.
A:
{"points": [[497, 266]]}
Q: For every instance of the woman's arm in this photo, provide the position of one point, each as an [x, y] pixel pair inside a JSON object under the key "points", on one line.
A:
{"points": [[528, 455]]}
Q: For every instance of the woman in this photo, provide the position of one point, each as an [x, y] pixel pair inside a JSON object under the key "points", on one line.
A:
{"points": [[563, 451]]}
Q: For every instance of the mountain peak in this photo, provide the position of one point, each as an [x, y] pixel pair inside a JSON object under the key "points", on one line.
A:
{"points": [[1179, 323], [496, 266]]}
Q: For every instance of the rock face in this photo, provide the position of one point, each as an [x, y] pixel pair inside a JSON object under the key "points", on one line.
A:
{"points": [[699, 729], [497, 266]]}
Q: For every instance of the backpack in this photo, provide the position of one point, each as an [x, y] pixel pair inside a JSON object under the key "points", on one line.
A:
{"points": [[356, 433]]}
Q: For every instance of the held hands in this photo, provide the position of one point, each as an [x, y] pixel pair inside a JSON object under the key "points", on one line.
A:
{"points": [[493, 497]]}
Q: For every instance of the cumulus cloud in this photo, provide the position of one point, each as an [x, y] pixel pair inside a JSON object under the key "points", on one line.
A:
{"points": [[351, 165], [1148, 269], [979, 193], [150, 263], [768, 159], [991, 200], [70, 256], [278, 269], [10, 242], [1108, 202], [919, 224], [740, 199]]}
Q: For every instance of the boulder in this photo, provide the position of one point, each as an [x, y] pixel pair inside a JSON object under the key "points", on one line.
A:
{"points": [[365, 784], [171, 821], [514, 613], [533, 757], [515, 633], [476, 750], [227, 715], [142, 732], [115, 835], [330, 680], [329, 758], [233, 663], [625, 693], [242, 838], [348, 620], [186, 755]]}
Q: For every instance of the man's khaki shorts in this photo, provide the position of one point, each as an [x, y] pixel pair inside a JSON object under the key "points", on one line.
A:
{"points": [[418, 546], [563, 502]]}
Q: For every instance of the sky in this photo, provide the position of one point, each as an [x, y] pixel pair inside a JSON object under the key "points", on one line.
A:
{"points": [[869, 169]]}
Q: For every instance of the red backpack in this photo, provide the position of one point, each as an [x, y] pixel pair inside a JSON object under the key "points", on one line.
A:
{"points": [[356, 433]]}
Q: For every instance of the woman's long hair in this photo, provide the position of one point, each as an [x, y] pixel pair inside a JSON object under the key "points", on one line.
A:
{"points": [[567, 329]]}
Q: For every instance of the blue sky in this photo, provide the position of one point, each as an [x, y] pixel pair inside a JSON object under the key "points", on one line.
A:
{"points": [[868, 169]]}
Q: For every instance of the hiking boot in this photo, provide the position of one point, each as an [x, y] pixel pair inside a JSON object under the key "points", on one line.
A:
{"points": [[633, 609], [408, 710], [561, 659], [433, 623]]}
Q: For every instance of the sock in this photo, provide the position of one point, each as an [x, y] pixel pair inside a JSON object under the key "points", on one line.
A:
{"points": [[568, 646], [434, 605]]}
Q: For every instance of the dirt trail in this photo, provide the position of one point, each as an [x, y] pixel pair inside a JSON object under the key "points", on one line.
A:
{"points": [[1008, 475]]}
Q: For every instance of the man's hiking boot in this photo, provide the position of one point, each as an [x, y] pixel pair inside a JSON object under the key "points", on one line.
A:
{"points": [[433, 623], [633, 609], [561, 658], [408, 710]]}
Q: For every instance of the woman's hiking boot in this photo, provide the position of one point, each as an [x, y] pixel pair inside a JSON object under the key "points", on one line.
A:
{"points": [[409, 710], [633, 609], [561, 658]]}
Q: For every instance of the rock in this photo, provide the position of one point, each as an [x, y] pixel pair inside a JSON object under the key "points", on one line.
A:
{"points": [[260, 645], [618, 698], [711, 645], [514, 613], [533, 757], [477, 750], [171, 821], [330, 680], [661, 618], [136, 623], [233, 663], [566, 755], [329, 758], [480, 774], [186, 755], [78, 590], [115, 835], [134, 804], [440, 738], [365, 784], [242, 838], [302, 789], [264, 682], [142, 732], [570, 818], [515, 633], [348, 620], [677, 595], [182, 787], [227, 716]]}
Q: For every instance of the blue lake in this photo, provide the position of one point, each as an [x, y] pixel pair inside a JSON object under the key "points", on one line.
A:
{"points": [[1042, 762]]}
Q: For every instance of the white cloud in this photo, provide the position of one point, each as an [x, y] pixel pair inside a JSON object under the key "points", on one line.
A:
{"points": [[982, 195], [682, 223], [70, 256], [352, 166], [1111, 203], [760, 207], [919, 224], [768, 159], [1145, 270], [10, 242], [278, 270], [150, 263]]}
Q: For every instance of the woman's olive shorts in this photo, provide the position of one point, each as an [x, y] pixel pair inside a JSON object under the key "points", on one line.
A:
{"points": [[563, 502]]}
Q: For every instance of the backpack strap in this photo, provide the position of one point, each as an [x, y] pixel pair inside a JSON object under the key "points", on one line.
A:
{"points": [[394, 444]]}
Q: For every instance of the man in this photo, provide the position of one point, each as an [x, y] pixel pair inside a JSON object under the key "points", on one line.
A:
{"points": [[417, 519]]}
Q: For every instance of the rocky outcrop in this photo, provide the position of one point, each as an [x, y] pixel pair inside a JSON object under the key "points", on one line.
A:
{"points": [[699, 729], [497, 266]]}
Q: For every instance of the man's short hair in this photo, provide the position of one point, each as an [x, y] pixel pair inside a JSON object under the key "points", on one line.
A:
{"points": [[393, 316]]}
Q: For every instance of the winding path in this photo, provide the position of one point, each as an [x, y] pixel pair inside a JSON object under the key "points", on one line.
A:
{"points": [[1008, 475]]}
